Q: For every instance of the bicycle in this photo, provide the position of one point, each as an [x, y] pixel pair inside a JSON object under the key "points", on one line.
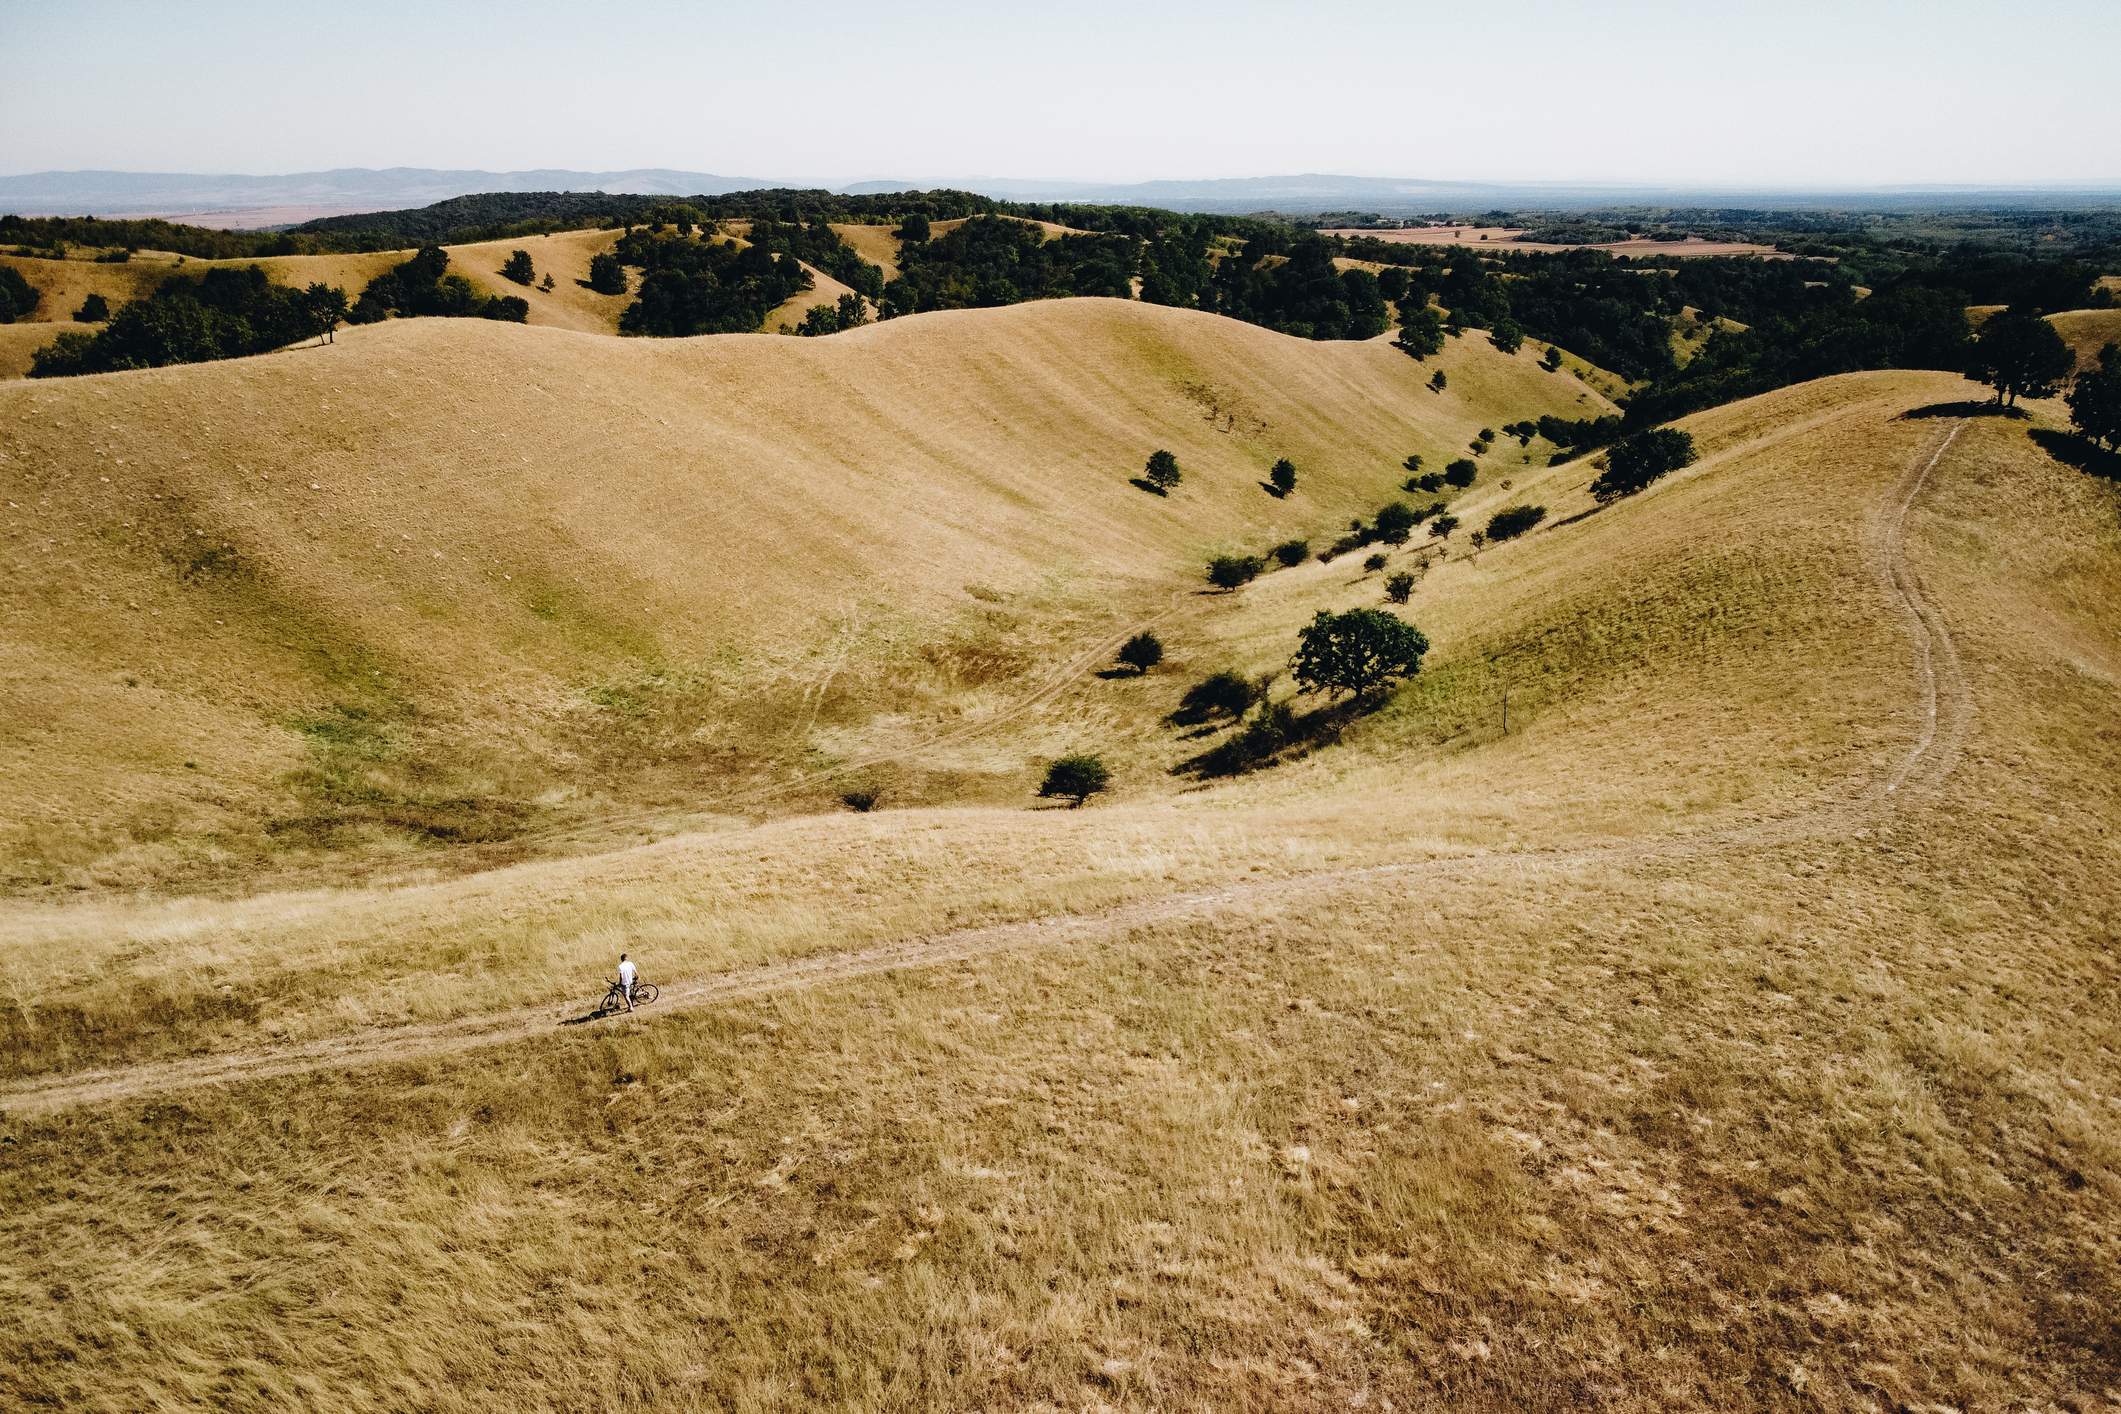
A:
{"points": [[615, 999]]}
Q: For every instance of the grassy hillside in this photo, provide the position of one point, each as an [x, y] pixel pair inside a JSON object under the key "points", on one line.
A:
{"points": [[2086, 331], [20, 342], [1736, 1031], [565, 255], [444, 584]]}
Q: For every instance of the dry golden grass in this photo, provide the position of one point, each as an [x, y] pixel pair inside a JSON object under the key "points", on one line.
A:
{"points": [[787, 316], [875, 244], [444, 581], [1631, 1101], [19, 342], [2086, 331], [570, 305]]}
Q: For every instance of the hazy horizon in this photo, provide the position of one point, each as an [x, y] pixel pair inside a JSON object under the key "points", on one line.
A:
{"points": [[1800, 95]]}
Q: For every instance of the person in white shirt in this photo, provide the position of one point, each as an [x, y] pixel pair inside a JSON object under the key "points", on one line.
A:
{"points": [[626, 976]]}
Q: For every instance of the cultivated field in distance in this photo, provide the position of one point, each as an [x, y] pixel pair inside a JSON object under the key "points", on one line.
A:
{"points": [[1509, 236]]}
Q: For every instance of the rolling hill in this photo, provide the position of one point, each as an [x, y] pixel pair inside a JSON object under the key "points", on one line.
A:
{"points": [[565, 255], [1733, 1029], [441, 582]]}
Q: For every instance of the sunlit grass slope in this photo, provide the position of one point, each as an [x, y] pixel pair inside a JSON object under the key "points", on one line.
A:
{"points": [[1696, 1071], [445, 578]]}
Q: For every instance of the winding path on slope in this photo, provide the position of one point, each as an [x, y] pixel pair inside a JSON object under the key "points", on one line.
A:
{"points": [[1943, 708]]}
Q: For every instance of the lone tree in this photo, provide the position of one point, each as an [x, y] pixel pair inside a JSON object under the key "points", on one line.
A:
{"points": [[1461, 472], [1399, 587], [1356, 652], [2019, 354], [1636, 461], [546, 283], [1291, 553], [1372, 564], [326, 307], [1283, 477], [1551, 359], [1441, 527], [2095, 400], [519, 268], [1420, 330], [606, 275], [1162, 471], [1234, 571], [1142, 652], [1514, 521], [94, 310], [1413, 463], [1437, 382], [1395, 522], [1075, 778]]}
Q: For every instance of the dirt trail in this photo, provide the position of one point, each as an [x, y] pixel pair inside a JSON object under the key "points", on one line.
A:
{"points": [[1943, 710]]}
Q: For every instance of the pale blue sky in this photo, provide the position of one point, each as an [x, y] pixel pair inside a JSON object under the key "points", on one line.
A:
{"points": [[1754, 93]]}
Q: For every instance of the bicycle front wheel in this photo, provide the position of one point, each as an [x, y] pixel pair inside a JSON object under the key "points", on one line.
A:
{"points": [[644, 993]]}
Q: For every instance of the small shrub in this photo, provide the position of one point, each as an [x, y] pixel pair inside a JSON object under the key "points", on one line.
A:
{"points": [[1399, 587], [1374, 563], [1437, 382], [1461, 473], [1291, 553], [1413, 463], [1142, 652], [1283, 477], [1551, 360], [1514, 521], [94, 310], [1234, 571], [861, 802], [1075, 778], [1441, 527]]}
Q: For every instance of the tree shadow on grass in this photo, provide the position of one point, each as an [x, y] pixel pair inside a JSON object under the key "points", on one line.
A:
{"points": [[2082, 453], [1276, 735], [1971, 407], [1149, 486]]}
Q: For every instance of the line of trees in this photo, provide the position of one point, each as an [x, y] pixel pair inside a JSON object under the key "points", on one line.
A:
{"points": [[225, 313]]}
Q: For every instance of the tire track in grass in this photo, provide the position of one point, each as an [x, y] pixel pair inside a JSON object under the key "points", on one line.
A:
{"points": [[1944, 708]]}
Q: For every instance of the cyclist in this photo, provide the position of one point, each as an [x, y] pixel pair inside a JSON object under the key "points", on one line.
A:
{"points": [[627, 972]]}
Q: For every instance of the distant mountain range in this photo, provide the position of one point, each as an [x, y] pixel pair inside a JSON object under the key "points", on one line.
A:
{"points": [[285, 199], [344, 189]]}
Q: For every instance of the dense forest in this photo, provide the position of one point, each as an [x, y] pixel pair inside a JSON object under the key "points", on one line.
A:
{"points": [[991, 260], [691, 285], [424, 286]]}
